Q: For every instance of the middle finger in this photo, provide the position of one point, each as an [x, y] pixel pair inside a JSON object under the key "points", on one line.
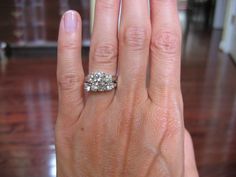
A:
{"points": [[134, 39]]}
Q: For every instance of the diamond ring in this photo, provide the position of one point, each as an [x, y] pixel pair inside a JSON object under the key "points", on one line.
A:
{"points": [[100, 82]]}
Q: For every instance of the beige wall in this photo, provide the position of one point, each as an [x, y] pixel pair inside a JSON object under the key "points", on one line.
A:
{"points": [[228, 43], [92, 4]]}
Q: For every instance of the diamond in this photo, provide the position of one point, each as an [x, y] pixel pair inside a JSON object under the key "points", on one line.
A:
{"points": [[94, 88], [99, 81], [87, 87], [109, 87], [100, 89]]}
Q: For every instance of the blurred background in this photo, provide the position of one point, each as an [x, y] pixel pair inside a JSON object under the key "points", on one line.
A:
{"points": [[28, 90]]}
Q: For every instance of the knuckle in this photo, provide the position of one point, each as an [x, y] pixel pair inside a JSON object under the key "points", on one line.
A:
{"points": [[165, 42], [164, 89], [171, 123], [136, 38], [106, 4], [69, 81], [70, 45], [167, 84], [173, 120], [105, 53], [174, 127], [165, 1]]}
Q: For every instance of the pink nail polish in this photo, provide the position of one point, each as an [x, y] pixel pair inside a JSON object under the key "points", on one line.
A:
{"points": [[70, 21]]}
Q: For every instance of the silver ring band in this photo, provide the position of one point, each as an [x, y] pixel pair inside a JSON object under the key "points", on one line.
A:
{"points": [[100, 82]]}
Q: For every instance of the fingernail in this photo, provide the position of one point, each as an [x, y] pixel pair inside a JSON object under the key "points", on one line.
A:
{"points": [[70, 21]]}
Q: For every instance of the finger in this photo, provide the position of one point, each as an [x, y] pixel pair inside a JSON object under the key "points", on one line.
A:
{"points": [[103, 55], [189, 157], [165, 48], [134, 39], [70, 74]]}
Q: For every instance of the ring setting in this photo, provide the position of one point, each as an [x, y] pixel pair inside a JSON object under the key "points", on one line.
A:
{"points": [[100, 82]]}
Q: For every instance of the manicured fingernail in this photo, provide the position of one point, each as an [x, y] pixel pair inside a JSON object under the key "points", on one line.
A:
{"points": [[70, 21]]}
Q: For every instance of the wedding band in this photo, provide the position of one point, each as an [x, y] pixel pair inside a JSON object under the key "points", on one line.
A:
{"points": [[100, 82]]}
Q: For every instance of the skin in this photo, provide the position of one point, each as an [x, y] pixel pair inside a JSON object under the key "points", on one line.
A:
{"points": [[138, 129]]}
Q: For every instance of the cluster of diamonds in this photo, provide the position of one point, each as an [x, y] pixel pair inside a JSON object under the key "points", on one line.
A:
{"points": [[99, 82]]}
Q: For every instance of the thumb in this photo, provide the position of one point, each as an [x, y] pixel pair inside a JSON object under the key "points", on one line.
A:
{"points": [[189, 157]]}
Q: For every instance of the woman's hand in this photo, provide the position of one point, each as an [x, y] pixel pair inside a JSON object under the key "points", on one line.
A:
{"points": [[136, 130]]}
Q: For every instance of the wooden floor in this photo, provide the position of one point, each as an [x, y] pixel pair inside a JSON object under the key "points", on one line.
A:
{"points": [[28, 107]]}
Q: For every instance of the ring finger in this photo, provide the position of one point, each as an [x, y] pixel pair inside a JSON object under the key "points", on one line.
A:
{"points": [[103, 54]]}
